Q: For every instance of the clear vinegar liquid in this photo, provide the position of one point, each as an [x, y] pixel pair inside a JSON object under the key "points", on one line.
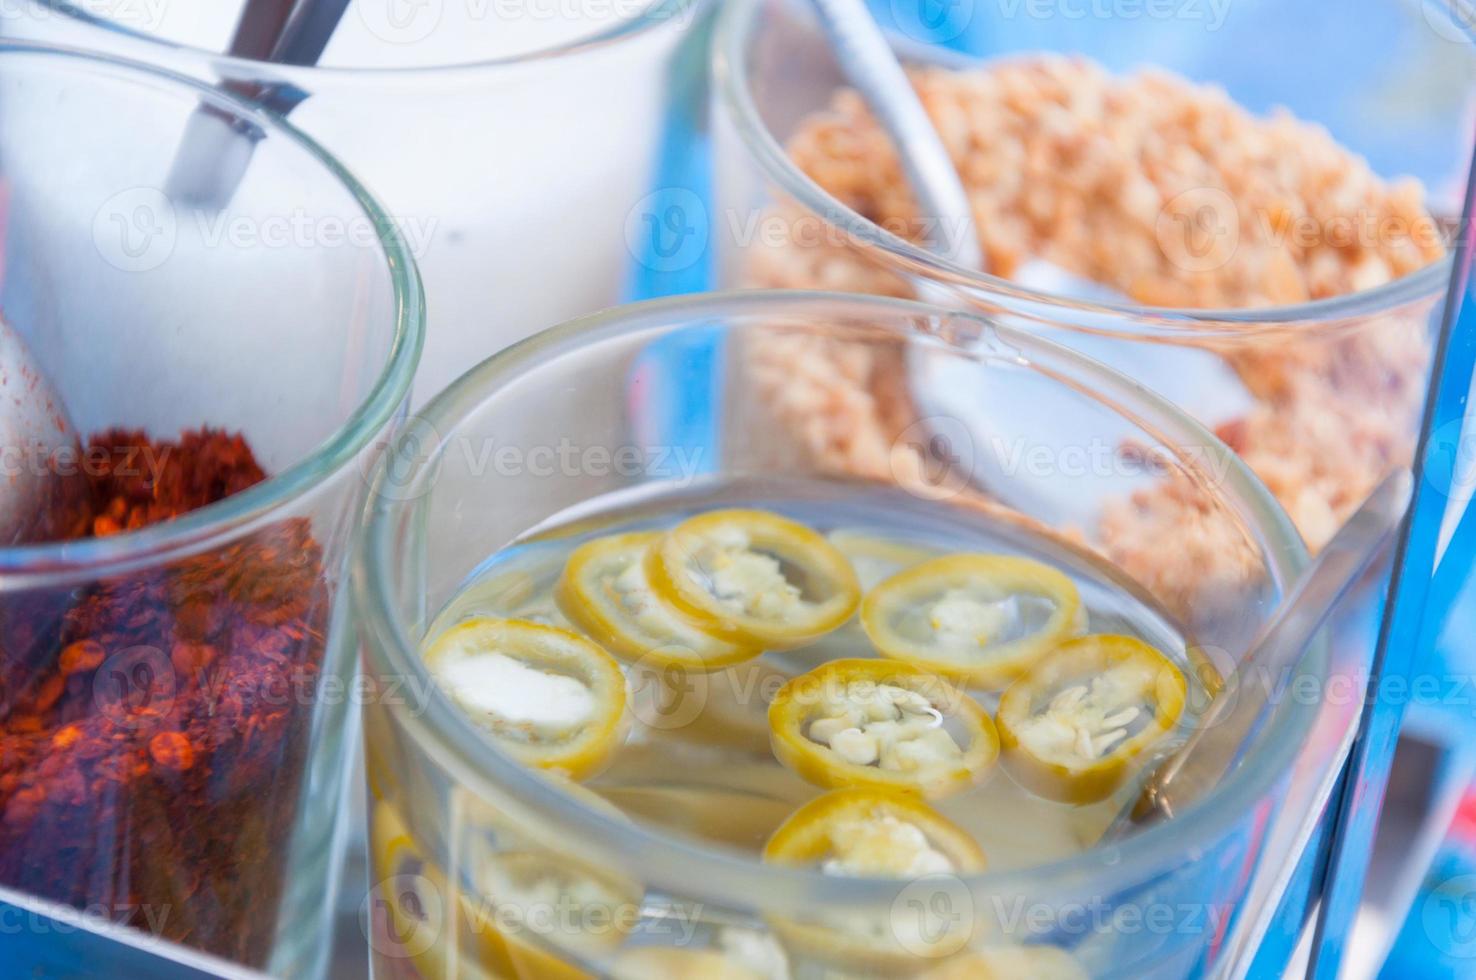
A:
{"points": [[697, 761]]}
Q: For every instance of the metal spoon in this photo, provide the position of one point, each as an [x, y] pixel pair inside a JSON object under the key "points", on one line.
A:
{"points": [[217, 146], [872, 68], [1237, 713], [44, 493], [957, 410]]}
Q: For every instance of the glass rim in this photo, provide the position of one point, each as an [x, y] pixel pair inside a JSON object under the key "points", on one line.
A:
{"points": [[38, 564], [655, 14], [736, 26], [455, 743]]}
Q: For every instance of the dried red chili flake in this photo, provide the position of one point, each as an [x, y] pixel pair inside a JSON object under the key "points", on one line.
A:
{"points": [[139, 482], [172, 750], [154, 725], [80, 656]]}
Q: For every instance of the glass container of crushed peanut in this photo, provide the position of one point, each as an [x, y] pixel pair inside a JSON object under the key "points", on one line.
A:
{"points": [[1253, 225], [644, 703]]}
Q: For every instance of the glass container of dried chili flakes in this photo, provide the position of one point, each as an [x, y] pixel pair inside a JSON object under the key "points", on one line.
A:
{"points": [[173, 696]]}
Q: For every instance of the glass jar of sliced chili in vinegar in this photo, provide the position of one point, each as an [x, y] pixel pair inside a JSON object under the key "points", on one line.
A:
{"points": [[173, 690], [677, 710]]}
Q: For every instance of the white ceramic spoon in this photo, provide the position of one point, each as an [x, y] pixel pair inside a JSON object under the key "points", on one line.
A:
{"points": [[44, 493]]}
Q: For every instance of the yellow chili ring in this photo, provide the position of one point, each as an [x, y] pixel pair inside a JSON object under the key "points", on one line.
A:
{"points": [[519, 875], [1073, 727], [527, 887], [874, 834], [950, 614], [881, 724], [838, 825], [753, 578], [604, 590], [490, 668], [421, 921], [1011, 963], [671, 963], [875, 558]]}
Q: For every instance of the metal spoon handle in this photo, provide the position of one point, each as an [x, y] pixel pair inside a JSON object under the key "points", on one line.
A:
{"points": [[1241, 708], [308, 32], [217, 147], [259, 27], [873, 70]]}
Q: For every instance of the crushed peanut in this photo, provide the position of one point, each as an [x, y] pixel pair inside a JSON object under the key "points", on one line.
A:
{"points": [[1066, 162], [1093, 172]]}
